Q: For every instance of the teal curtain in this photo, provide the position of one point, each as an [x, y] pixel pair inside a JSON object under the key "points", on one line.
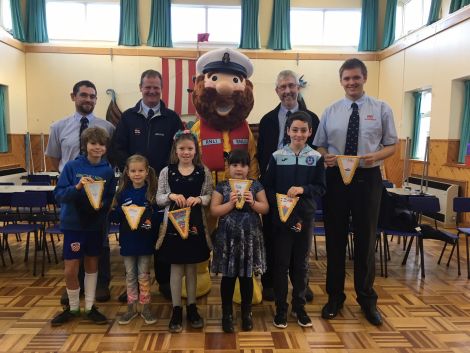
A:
{"points": [[250, 33], [416, 123], [129, 23], [458, 4], [390, 22], [17, 20], [465, 127], [3, 130], [368, 36], [279, 37], [434, 11], [36, 24], [160, 24]]}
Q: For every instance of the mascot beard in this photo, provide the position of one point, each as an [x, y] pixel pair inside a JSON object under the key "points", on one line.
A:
{"points": [[220, 111]]}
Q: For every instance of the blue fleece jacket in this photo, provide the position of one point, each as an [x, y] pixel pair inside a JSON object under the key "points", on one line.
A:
{"points": [[142, 240], [76, 212]]}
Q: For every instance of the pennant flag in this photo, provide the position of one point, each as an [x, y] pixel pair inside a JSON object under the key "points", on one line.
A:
{"points": [[180, 219], [94, 192], [285, 205], [177, 83], [133, 215], [240, 186], [347, 166]]}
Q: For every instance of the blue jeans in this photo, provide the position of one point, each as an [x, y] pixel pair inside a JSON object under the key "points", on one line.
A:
{"points": [[138, 278]]}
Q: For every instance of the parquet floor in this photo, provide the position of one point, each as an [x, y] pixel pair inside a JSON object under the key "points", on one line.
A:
{"points": [[430, 315]]}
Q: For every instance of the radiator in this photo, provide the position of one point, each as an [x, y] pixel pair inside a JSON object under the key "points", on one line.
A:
{"points": [[446, 193]]}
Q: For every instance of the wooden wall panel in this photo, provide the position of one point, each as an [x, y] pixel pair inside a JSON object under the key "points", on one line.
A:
{"points": [[15, 156]]}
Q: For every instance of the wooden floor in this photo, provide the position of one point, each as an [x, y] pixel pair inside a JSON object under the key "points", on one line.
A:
{"points": [[428, 316]]}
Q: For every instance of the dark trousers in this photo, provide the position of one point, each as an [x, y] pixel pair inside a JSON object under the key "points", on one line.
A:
{"points": [[360, 200], [291, 247], [162, 270], [227, 287]]}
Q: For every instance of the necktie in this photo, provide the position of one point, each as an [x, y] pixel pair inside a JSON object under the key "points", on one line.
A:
{"points": [[286, 138], [83, 125], [150, 113], [352, 135]]}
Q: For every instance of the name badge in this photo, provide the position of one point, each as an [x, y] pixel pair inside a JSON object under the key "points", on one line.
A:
{"points": [[240, 141], [209, 142]]}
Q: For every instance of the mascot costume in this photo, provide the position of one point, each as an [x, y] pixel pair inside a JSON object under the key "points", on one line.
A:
{"points": [[223, 97]]}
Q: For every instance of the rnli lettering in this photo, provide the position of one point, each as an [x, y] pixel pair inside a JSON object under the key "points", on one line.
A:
{"points": [[208, 142], [240, 141]]}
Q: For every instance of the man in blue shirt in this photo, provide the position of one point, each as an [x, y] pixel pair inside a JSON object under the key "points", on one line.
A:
{"points": [[363, 126]]}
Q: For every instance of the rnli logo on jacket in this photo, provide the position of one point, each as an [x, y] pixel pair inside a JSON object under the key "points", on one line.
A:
{"points": [[75, 247], [240, 141], [309, 160], [136, 132], [208, 142], [370, 117]]}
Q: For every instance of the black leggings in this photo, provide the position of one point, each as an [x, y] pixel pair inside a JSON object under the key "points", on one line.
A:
{"points": [[227, 287]]}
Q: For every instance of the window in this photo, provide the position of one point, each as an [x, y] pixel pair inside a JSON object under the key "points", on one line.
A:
{"points": [[83, 20], [187, 21], [424, 124], [411, 15], [327, 27], [5, 15]]}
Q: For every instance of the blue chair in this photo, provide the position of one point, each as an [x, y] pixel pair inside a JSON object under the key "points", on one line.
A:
{"points": [[39, 178], [38, 183], [28, 208], [113, 226]]}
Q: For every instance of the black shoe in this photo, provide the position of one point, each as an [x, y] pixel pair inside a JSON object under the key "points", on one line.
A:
{"points": [[123, 297], [331, 309], [280, 319], [64, 298], [176, 321], [247, 321], [95, 316], [64, 316], [372, 315], [102, 294], [308, 294], [195, 320], [165, 290], [302, 318], [227, 323], [268, 294]]}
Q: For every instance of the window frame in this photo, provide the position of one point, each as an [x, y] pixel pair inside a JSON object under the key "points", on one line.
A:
{"points": [[2, 17], [421, 143], [424, 17]]}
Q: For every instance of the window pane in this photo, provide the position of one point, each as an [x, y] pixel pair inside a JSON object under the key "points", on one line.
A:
{"points": [[5, 11], [187, 22], [342, 27], [102, 21], [426, 8], [64, 20], [413, 16], [399, 22], [306, 27], [424, 123], [217, 24]]}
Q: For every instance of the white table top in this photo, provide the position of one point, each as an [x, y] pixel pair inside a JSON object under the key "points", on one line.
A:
{"points": [[406, 191], [23, 188]]}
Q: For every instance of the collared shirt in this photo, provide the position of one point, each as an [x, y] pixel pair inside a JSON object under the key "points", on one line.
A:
{"points": [[144, 109], [376, 127], [63, 142], [282, 116]]}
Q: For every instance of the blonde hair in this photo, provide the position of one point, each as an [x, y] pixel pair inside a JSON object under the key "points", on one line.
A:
{"points": [[151, 179], [181, 137]]}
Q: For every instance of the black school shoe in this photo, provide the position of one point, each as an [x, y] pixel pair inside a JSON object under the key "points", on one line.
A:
{"points": [[302, 318], [176, 321], [372, 315], [94, 315], [331, 309], [65, 316], [195, 320]]}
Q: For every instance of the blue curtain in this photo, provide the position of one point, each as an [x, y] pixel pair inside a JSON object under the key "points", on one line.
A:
{"points": [[250, 33], [458, 4], [279, 37], [17, 20], [434, 11], [129, 23], [465, 126], [368, 36], [3, 130], [36, 24], [416, 124], [390, 22], [160, 24]]}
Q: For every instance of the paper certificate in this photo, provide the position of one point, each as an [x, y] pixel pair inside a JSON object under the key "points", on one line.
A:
{"points": [[133, 215], [180, 219], [240, 186], [347, 166], [285, 206], [94, 192]]}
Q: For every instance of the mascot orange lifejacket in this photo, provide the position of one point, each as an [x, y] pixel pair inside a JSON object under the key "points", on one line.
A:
{"points": [[223, 97]]}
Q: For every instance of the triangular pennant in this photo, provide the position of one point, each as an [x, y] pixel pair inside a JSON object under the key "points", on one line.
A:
{"points": [[285, 206], [240, 186], [347, 166], [94, 191], [180, 219], [133, 214]]}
